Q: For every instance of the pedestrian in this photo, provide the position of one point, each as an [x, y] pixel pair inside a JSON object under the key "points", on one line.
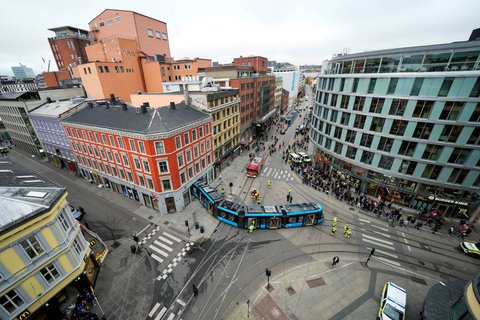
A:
{"points": [[345, 228], [270, 184], [335, 221], [336, 260], [251, 227], [349, 233], [450, 231], [259, 200], [334, 229], [222, 191], [290, 199], [195, 291]]}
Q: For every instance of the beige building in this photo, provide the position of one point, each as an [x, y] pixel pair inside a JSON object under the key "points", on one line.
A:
{"points": [[278, 92]]}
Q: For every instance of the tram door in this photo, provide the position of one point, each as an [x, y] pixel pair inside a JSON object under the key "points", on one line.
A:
{"points": [[310, 220], [273, 223]]}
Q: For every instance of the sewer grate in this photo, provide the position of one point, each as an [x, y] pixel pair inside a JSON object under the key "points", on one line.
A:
{"points": [[291, 291], [418, 280], [316, 282]]}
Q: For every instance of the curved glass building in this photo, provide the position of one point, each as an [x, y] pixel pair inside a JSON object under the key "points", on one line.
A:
{"points": [[404, 125]]}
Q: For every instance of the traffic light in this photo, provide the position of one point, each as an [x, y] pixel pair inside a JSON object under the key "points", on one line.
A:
{"points": [[186, 223], [268, 272]]}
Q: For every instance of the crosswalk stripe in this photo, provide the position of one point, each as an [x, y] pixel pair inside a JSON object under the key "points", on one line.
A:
{"points": [[171, 236], [275, 176], [384, 252], [363, 220], [154, 256], [382, 234], [165, 240], [388, 261], [377, 243], [267, 173], [158, 251], [376, 239], [384, 229], [152, 312], [164, 246], [171, 316], [181, 302], [160, 315]]}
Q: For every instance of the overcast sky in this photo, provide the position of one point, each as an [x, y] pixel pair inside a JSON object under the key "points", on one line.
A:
{"points": [[297, 31]]}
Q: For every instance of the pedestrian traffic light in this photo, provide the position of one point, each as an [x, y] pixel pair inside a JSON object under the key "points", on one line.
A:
{"points": [[186, 223], [268, 272]]}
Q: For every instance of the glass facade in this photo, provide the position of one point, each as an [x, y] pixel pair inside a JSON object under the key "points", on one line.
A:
{"points": [[403, 136]]}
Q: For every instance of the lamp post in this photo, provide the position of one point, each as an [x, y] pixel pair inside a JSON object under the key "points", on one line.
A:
{"points": [[268, 273], [248, 308]]}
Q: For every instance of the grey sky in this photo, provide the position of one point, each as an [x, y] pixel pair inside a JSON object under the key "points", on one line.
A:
{"points": [[297, 31]]}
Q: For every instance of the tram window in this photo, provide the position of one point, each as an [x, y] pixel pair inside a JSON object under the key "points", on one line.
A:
{"points": [[222, 213], [292, 219], [232, 218]]}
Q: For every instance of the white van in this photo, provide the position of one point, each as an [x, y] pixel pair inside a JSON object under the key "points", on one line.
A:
{"points": [[293, 157], [392, 302], [305, 157]]}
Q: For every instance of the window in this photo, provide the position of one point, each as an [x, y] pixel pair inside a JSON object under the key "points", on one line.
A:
{"points": [[457, 176], [146, 166], [132, 145], [342, 84], [392, 86], [377, 124], [163, 166], [178, 142], [125, 159], [355, 85], [186, 138], [432, 152], [166, 185], [189, 155], [112, 141], [344, 102], [141, 179], [122, 174], [408, 167], [120, 142], [141, 146], [376, 105], [183, 178], [159, 147], [431, 171], [194, 134], [475, 117], [137, 163], [459, 156], [366, 140], [190, 172], [351, 152], [77, 246], [63, 221], [344, 120], [398, 127], [158, 35], [164, 35], [385, 144], [338, 148], [445, 88], [32, 247], [180, 160], [50, 273], [118, 19], [474, 137], [371, 85], [104, 139], [129, 176], [407, 148], [11, 301], [150, 33], [423, 130], [195, 151], [385, 162], [450, 133], [398, 107], [417, 86], [359, 121], [350, 135], [150, 184], [422, 109], [367, 157], [109, 154], [475, 93], [451, 110], [359, 103]]}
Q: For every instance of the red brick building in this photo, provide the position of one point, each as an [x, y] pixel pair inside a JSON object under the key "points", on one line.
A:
{"points": [[150, 155], [68, 46], [259, 64]]}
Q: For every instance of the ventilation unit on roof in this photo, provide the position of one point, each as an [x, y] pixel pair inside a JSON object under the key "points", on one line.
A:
{"points": [[36, 194]]}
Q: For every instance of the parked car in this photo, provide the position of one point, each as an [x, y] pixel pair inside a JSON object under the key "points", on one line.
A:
{"points": [[305, 157], [77, 213], [471, 248], [392, 302], [4, 150]]}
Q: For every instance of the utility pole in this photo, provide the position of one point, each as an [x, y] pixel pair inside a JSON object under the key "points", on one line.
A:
{"points": [[248, 308], [268, 272]]}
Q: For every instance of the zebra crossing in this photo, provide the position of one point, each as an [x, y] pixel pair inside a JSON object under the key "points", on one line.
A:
{"points": [[380, 244], [163, 312], [276, 174]]}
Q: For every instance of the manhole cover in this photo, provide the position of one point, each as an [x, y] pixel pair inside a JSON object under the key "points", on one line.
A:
{"points": [[418, 280], [291, 291], [166, 222], [421, 262], [316, 282], [448, 265]]}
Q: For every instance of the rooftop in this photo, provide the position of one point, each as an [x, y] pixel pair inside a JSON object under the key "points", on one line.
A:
{"points": [[23, 194], [57, 108], [130, 119]]}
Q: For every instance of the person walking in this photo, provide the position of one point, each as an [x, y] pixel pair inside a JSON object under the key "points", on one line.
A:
{"points": [[290, 199], [334, 229], [195, 291], [290, 191], [348, 233], [336, 260], [251, 227], [345, 228], [269, 182], [222, 191], [335, 221]]}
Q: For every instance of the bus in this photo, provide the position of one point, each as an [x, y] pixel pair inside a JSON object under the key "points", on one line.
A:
{"points": [[254, 167]]}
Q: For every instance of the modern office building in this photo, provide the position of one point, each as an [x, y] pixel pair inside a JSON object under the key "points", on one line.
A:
{"points": [[293, 80], [23, 72], [151, 155], [43, 254], [68, 46], [404, 125], [18, 85]]}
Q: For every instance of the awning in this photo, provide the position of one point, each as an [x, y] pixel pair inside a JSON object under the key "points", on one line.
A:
{"points": [[266, 117]]}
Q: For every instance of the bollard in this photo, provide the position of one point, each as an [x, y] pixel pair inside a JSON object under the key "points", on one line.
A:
{"points": [[202, 230], [196, 225]]}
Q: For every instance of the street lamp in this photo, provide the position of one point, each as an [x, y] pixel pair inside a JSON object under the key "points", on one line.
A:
{"points": [[248, 308], [268, 273]]}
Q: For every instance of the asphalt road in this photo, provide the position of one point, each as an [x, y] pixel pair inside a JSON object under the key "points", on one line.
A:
{"points": [[106, 218]]}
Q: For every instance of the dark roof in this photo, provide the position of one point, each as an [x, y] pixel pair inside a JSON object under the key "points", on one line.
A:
{"points": [[69, 28], [11, 95], [440, 297], [157, 120], [126, 11]]}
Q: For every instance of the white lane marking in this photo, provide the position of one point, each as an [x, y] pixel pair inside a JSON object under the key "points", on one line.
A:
{"points": [[377, 244], [171, 236], [363, 220], [165, 240], [171, 316], [376, 239], [181, 302], [382, 234], [384, 252], [141, 231], [406, 241], [158, 251], [162, 312], [388, 261], [362, 229], [267, 173], [154, 256], [384, 229], [275, 176], [152, 312], [164, 246]]}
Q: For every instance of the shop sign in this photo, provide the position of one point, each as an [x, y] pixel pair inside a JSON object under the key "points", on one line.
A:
{"points": [[461, 203], [92, 243], [24, 315]]}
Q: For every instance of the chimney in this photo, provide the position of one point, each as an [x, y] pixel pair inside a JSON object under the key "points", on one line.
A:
{"points": [[49, 100], [112, 98], [172, 105], [144, 107], [186, 95], [124, 106]]}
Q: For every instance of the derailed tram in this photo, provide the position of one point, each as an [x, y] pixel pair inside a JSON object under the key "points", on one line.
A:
{"points": [[241, 215]]}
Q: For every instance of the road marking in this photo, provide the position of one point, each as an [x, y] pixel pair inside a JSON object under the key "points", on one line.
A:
{"points": [[181, 302], [406, 241], [154, 256], [267, 173], [384, 229], [141, 231], [162, 312], [363, 220], [384, 252], [171, 316], [382, 234], [152, 312], [362, 229], [165, 240], [376, 239], [377, 244], [388, 261], [158, 251], [164, 246], [171, 236], [275, 176]]}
